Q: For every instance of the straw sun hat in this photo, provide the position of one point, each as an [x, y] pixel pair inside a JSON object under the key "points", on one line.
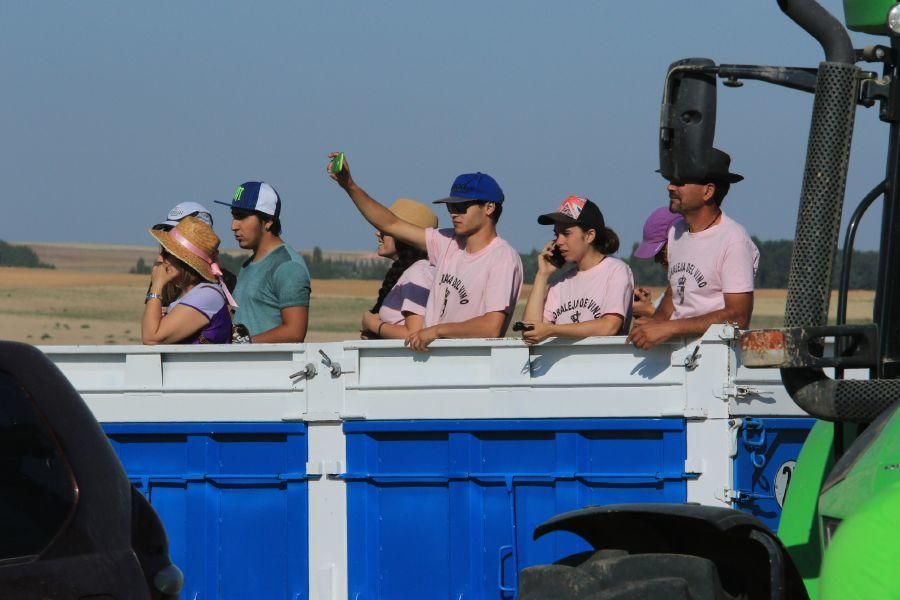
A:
{"points": [[187, 241], [414, 212]]}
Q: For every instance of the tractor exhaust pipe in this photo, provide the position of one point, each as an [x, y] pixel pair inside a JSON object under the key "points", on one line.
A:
{"points": [[820, 24], [819, 219]]}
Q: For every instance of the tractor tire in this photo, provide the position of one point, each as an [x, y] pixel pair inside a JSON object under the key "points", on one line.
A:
{"points": [[616, 575]]}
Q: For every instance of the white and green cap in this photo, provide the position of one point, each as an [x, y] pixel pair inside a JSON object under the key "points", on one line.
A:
{"points": [[255, 195]]}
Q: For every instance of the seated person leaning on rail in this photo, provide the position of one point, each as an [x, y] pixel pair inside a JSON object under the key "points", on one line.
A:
{"points": [[273, 286], [712, 262], [592, 299], [478, 275], [187, 271], [653, 245], [400, 308]]}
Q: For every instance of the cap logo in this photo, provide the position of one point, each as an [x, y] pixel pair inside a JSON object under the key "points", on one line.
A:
{"points": [[572, 207], [238, 193], [458, 187]]}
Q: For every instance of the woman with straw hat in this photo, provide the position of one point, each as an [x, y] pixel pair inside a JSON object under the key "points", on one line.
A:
{"points": [[187, 271], [400, 308]]}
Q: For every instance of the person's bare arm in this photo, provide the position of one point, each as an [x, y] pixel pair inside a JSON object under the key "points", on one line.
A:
{"points": [[294, 322], [738, 309], [609, 324], [374, 327], [412, 324], [180, 323], [488, 325], [375, 213]]}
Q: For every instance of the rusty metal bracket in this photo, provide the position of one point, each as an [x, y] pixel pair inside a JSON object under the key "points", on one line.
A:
{"points": [[801, 347]]}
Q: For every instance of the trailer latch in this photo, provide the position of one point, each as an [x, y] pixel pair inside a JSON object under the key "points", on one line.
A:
{"points": [[753, 436]]}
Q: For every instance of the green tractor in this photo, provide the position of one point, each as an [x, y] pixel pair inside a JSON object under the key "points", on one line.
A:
{"points": [[839, 535]]}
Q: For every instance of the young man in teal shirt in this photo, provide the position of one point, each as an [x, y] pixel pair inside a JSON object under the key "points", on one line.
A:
{"points": [[273, 287]]}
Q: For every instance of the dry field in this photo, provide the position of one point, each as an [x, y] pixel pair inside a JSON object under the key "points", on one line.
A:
{"points": [[83, 307], [43, 306], [91, 299]]}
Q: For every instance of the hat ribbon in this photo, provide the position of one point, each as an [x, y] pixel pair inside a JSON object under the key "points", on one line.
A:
{"points": [[213, 265]]}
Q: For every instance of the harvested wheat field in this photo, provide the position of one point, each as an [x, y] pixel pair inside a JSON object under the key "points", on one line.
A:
{"points": [[57, 306]]}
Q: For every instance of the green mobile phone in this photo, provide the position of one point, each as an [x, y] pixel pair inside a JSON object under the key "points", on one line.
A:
{"points": [[337, 163]]}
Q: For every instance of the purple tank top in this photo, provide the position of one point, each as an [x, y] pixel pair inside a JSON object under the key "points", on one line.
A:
{"points": [[209, 300]]}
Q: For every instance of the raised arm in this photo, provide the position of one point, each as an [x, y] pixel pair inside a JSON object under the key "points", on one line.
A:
{"points": [[377, 214]]}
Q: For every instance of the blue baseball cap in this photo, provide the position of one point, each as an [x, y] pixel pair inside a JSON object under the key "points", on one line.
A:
{"points": [[474, 186], [257, 196]]}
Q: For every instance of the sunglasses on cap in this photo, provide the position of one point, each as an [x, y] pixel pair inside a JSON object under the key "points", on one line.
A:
{"points": [[460, 208]]}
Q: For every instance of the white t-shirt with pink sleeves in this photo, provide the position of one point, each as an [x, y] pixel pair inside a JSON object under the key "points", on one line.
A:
{"points": [[470, 285], [604, 289], [705, 265], [409, 294]]}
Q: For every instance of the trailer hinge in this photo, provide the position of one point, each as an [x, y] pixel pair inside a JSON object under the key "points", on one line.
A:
{"points": [[729, 331], [693, 467], [328, 468]]}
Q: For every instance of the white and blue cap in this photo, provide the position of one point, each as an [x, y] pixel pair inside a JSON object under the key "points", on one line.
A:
{"points": [[256, 196], [186, 209]]}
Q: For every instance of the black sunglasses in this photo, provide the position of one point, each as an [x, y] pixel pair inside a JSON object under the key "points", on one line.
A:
{"points": [[460, 208]]}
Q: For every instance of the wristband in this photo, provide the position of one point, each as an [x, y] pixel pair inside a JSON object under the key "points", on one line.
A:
{"points": [[151, 296], [378, 333]]}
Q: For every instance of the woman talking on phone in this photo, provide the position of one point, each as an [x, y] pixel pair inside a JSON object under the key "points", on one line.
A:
{"points": [[595, 297], [400, 307]]}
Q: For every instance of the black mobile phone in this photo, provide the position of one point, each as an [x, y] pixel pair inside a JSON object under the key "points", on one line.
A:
{"points": [[556, 257], [520, 326]]}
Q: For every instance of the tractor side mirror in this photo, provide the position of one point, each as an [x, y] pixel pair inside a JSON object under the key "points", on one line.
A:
{"points": [[687, 122]]}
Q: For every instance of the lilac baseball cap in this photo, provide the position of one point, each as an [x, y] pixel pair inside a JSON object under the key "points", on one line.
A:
{"points": [[656, 231]]}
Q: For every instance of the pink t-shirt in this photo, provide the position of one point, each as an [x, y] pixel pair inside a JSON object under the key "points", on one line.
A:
{"points": [[409, 294], [705, 265], [604, 289], [469, 285]]}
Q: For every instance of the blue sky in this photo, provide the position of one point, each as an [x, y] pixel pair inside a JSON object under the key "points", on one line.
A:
{"points": [[114, 112]]}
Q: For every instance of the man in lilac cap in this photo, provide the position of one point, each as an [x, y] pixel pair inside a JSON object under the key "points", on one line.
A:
{"points": [[653, 245], [478, 275]]}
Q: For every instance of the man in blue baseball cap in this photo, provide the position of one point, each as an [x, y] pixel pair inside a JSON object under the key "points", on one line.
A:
{"points": [[273, 286], [478, 275]]}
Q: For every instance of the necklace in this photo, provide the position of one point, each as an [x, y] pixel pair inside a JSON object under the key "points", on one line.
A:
{"points": [[710, 224]]}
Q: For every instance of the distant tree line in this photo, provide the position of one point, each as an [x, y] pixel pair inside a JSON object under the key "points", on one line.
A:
{"points": [[20, 256], [774, 262]]}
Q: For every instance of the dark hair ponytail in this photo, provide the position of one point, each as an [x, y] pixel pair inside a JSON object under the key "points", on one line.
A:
{"points": [[606, 241], [406, 256]]}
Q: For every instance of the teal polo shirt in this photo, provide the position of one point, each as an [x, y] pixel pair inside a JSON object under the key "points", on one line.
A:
{"points": [[279, 280]]}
